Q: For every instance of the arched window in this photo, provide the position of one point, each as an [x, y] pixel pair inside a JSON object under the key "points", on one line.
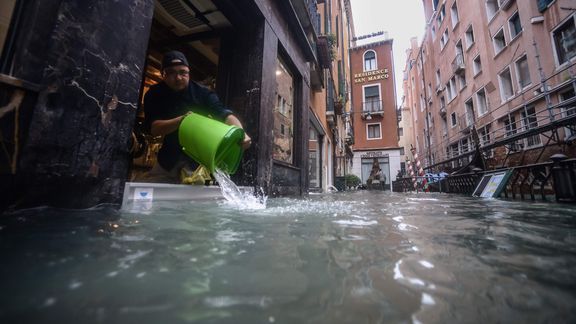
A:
{"points": [[369, 61]]}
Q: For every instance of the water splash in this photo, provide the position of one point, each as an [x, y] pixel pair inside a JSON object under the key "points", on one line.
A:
{"points": [[237, 198]]}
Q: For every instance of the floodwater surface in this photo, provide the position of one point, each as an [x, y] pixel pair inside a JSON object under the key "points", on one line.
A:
{"points": [[356, 257]]}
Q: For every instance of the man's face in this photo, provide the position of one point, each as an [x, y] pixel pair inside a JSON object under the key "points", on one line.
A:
{"points": [[177, 77]]}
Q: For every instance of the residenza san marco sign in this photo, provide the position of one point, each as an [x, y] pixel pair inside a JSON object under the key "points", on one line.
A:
{"points": [[371, 76]]}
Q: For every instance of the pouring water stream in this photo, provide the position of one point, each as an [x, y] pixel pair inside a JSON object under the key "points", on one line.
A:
{"points": [[235, 197]]}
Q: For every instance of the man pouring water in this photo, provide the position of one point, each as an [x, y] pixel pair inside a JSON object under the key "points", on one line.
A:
{"points": [[167, 103]]}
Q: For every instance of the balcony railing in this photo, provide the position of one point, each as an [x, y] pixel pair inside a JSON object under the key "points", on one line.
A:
{"points": [[505, 4], [372, 106], [443, 111], [458, 64], [314, 15]]}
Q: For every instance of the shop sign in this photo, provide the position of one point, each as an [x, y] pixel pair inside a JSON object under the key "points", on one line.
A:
{"points": [[375, 154], [371, 76]]}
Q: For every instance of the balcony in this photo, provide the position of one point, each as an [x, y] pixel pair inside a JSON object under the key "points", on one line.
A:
{"points": [[505, 4], [442, 111], [372, 106], [323, 50], [439, 89], [458, 65]]}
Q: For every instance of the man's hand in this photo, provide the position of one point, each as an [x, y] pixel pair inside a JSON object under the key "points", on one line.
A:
{"points": [[246, 142]]}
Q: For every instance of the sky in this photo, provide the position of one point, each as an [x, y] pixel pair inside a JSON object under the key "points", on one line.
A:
{"points": [[402, 19]]}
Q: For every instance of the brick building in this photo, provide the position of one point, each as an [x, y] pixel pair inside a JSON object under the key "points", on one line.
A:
{"points": [[497, 73], [374, 109]]}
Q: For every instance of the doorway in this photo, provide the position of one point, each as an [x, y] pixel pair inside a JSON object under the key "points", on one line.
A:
{"points": [[194, 27]]}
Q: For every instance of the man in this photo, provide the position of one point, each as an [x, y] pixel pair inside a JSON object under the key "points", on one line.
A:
{"points": [[167, 103]]}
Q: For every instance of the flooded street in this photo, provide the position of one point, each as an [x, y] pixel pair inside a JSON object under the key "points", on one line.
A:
{"points": [[359, 257]]}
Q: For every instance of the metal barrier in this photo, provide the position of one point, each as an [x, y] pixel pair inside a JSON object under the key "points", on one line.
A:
{"points": [[549, 181]]}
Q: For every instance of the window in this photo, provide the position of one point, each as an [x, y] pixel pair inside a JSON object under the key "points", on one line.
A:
{"points": [[6, 9], [442, 102], [438, 78], [284, 114], [499, 41], [372, 102], [523, 72], [314, 154], [433, 32], [453, 120], [422, 103], [477, 65], [400, 131], [441, 14], [568, 110], [481, 102], [469, 112], [484, 133], [373, 131], [462, 80], [454, 15], [543, 4], [565, 41], [510, 126], [444, 126], [444, 39], [506, 88], [491, 8], [530, 121], [451, 89], [370, 61], [469, 37], [515, 25]]}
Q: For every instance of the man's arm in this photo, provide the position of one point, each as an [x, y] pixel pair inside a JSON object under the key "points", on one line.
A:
{"points": [[232, 120], [166, 126]]}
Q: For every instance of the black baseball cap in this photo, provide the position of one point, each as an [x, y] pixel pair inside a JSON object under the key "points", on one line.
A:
{"points": [[174, 58]]}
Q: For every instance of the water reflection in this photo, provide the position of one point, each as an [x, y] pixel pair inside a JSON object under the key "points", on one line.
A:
{"points": [[364, 257]]}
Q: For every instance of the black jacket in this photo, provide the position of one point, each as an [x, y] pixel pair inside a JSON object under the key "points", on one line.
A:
{"points": [[161, 103]]}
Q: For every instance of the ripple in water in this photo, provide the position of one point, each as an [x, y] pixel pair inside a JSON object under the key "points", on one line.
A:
{"points": [[237, 198]]}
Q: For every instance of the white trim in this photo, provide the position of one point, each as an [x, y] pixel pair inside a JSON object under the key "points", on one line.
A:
{"points": [[474, 72], [486, 102], [555, 52], [500, 84], [468, 45], [452, 125], [513, 37], [379, 128], [494, 41], [379, 94], [364, 60], [520, 87]]}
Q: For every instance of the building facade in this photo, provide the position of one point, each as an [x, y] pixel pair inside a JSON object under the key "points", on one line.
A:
{"points": [[494, 74], [374, 110], [330, 154], [70, 102]]}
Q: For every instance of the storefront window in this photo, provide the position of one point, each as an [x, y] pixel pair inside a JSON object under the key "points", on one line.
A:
{"points": [[6, 9], [368, 166], [314, 158], [284, 115]]}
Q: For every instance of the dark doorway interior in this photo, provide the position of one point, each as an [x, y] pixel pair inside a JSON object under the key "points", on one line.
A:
{"points": [[194, 28]]}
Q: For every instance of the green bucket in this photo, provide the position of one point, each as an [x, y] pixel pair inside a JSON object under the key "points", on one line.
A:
{"points": [[211, 142]]}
